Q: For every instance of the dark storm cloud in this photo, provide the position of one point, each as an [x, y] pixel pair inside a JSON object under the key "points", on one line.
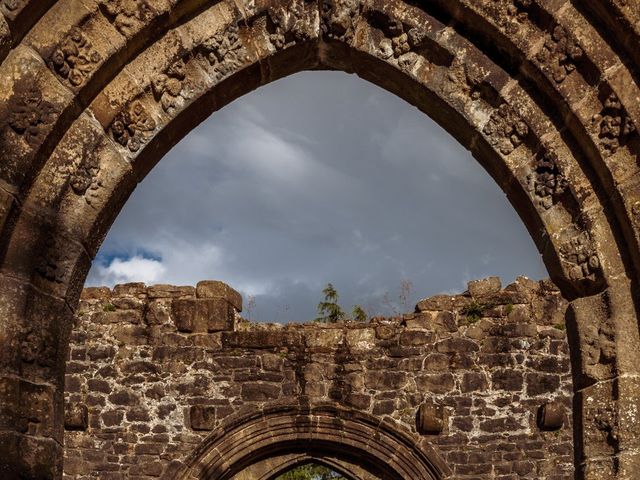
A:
{"points": [[319, 177]]}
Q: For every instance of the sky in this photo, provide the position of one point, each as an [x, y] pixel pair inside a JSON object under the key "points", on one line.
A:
{"points": [[315, 178]]}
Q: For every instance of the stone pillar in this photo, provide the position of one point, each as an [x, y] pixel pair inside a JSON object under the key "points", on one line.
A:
{"points": [[33, 348]]}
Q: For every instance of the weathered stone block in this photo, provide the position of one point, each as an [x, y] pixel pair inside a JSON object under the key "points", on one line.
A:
{"points": [[511, 380], [124, 397], [540, 383], [217, 289], [358, 400], [473, 382], [360, 339], [260, 392], [169, 291], [202, 417], [436, 362], [384, 380], [76, 417], [196, 315], [272, 362], [430, 419], [414, 338], [435, 383], [453, 345], [550, 416], [130, 334], [484, 287], [262, 339], [385, 332], [442, 303], [96, 293], [133, 288], [112, 418], [384, 407], [138, 414]]}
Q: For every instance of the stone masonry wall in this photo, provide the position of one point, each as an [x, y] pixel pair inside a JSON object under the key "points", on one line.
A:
{"points": [[152, 370]]}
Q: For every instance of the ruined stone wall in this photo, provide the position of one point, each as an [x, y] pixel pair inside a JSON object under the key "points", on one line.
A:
{"points": [[152, 370]]}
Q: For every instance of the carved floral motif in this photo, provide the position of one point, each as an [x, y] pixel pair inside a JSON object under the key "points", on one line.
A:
{"points": [[130, 127], [505, 129], [510, 14], [338, 19], [547, 182], [225, 52], [168, 86], [84, 181], [400, 43], [614, 125], [29, 115], [288, 25], [580, 254], [560, 53], [465, 79], [128, 15], [75, 59]]}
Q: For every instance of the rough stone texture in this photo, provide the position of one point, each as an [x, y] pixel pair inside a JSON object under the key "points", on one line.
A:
{"points": [[155, 391], [544, 93]]}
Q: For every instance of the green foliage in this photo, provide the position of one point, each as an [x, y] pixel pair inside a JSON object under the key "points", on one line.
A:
{"points": [[109, 307], [509, 308], [560, 326], [310, 471], [358, 314], [329, 311], [474, 311]]}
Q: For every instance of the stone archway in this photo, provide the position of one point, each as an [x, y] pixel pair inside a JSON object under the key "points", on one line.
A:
{"points": [[264, 443], [544, 94], [270, 469]]}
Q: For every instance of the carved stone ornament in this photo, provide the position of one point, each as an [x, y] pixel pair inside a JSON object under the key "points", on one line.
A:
{"points": [[546, 182], [505, 129], [288, 25], [614, 125], [224, 52], [560, 53], [75, 59], [168, 86], [84, 181], [465, 80], [338, 19], [128, 15], [581, 256], [510, 14], [131, 126], [400, 43], [29, 115]]}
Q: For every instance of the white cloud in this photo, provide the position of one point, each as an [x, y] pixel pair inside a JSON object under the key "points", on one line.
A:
{"points": [[134, 269]]}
